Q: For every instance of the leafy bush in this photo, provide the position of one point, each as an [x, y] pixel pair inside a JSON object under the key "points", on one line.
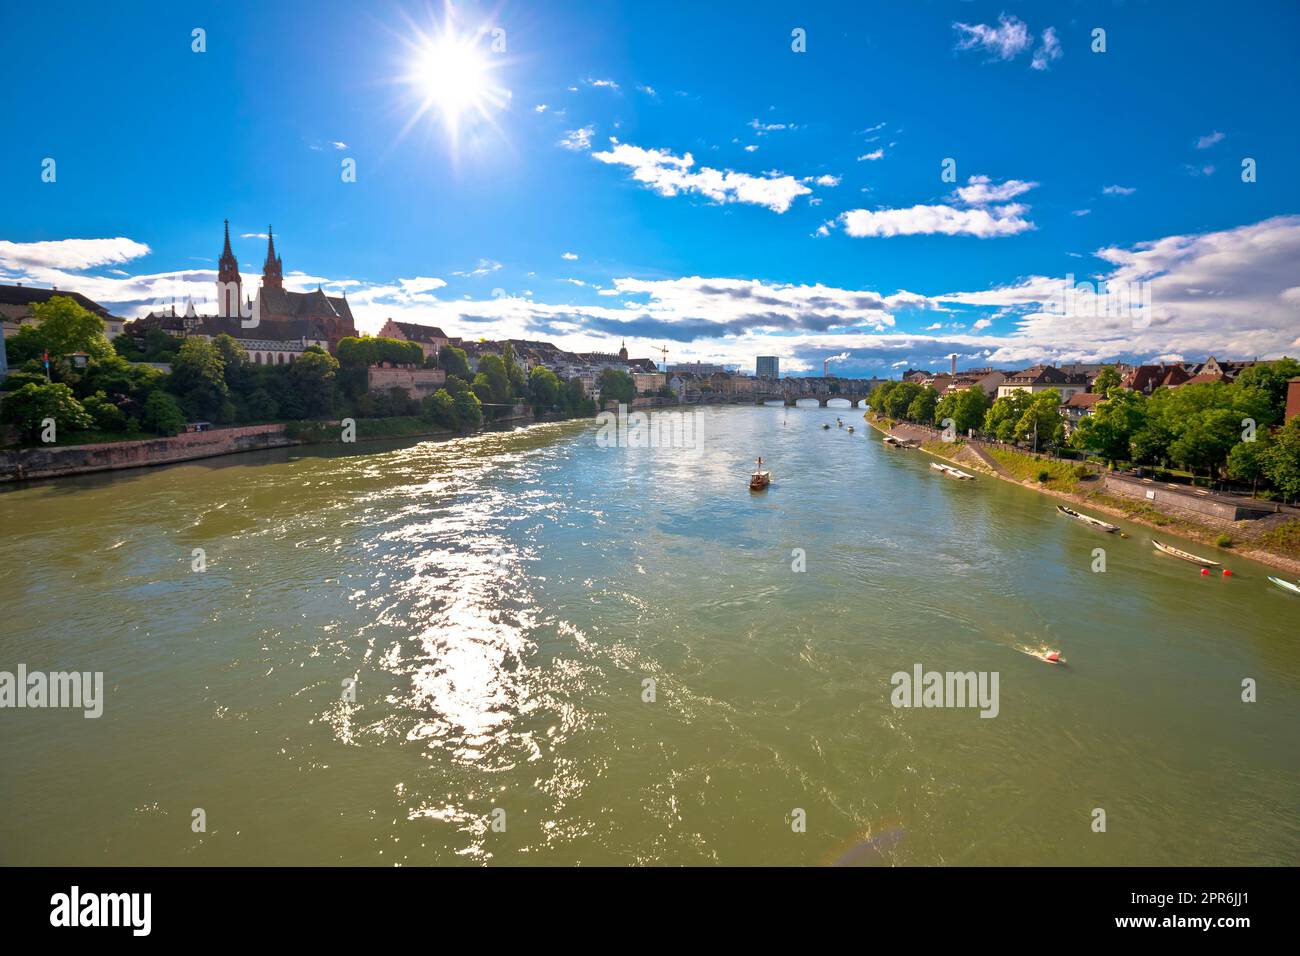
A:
{"points": [[29, 408]]}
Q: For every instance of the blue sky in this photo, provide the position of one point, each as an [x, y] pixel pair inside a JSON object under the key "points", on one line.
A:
{"points": [[723, 194]]}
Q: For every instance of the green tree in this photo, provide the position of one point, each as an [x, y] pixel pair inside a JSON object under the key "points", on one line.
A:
{"points": [[616, 385], [469, 412], [966, 408], [1041, 422], [899, 399], [63, 327], [543, 389], [28, 408], [1107, 379], [199, 380], [1110, 429], [312, 377], [162, 414], [1282, 462], [439, 408], [1272, 379], [514, 371], [234, 361], [921, 409], [1249, 460], [1005, 414], [454, 362], [108, 417]]}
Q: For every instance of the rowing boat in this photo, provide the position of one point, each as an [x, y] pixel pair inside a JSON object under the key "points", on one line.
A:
{"points": [[1285, 585], [952, 472], [1095, 522], [1185, 555]]}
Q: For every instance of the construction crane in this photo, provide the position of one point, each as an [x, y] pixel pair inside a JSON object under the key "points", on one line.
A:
{"points": [[664, 350]]}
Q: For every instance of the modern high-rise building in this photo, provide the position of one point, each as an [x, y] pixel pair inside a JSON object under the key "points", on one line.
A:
{"points": [[767, 366]]}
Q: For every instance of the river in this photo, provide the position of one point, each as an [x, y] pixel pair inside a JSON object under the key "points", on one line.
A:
{"points": [[502, 600]]}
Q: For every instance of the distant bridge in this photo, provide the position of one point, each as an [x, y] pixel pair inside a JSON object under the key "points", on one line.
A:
{"points": [[791, 390]]}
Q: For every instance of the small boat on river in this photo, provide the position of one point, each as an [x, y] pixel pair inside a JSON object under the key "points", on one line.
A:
{"points": [[1185, 555], [760, 480], [952, 472], [1095, 522], [1285, 585]]}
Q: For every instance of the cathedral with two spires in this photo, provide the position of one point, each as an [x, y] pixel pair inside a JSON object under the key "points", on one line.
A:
{"points": [[275, 327]]}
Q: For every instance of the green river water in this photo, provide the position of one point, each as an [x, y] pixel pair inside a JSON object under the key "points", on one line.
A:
{"points": [[500, 601]]}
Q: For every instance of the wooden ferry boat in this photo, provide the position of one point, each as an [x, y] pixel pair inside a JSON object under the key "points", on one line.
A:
{"points": [[1095, 522], [760, 480], [952, 472], [1185, 555], [1285, 585]]}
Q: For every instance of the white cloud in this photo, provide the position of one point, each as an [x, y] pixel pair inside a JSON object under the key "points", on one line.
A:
{"points": [[670, 175], [1205, 142], [1006, 41], [943, 220], [984, 218], [1081, 212], [421, 284], [648, 90], [540, 108], [577, 139], [1049, 49], [568, 255], [824, 180], [1119, 190], [873, 155], [339, 145], [751, 149], [69, 253], [484, 267], [606, 84], [981, 191]]}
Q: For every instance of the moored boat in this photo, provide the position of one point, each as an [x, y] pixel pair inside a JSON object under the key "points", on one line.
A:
{"points": [[952, 472], [1285, 585], [1185, 555], [1086, 519]]}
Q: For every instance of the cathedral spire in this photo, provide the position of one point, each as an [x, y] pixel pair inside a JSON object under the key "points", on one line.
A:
{"points": [[272, 269], [228, 281]]}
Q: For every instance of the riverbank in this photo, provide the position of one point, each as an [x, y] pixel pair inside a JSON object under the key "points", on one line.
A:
{"points": [[1274, 540], [59, 461]]}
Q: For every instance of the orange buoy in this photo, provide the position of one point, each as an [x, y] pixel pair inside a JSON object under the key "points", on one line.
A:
{"points": [[1227, 573], [1205, 571]]}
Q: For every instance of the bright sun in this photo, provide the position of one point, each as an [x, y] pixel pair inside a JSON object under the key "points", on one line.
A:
{"points": [[452, 77]]}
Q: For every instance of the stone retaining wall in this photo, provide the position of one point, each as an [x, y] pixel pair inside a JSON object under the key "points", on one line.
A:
{"points": [[1189, 503], [28, 463]]}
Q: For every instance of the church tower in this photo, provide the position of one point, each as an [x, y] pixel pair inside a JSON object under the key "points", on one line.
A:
{"points": [[622, 352], [228, 281], [273, 268]]}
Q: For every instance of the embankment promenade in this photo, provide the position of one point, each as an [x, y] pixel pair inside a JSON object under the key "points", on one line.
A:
{"points": [[1200, 518]]}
